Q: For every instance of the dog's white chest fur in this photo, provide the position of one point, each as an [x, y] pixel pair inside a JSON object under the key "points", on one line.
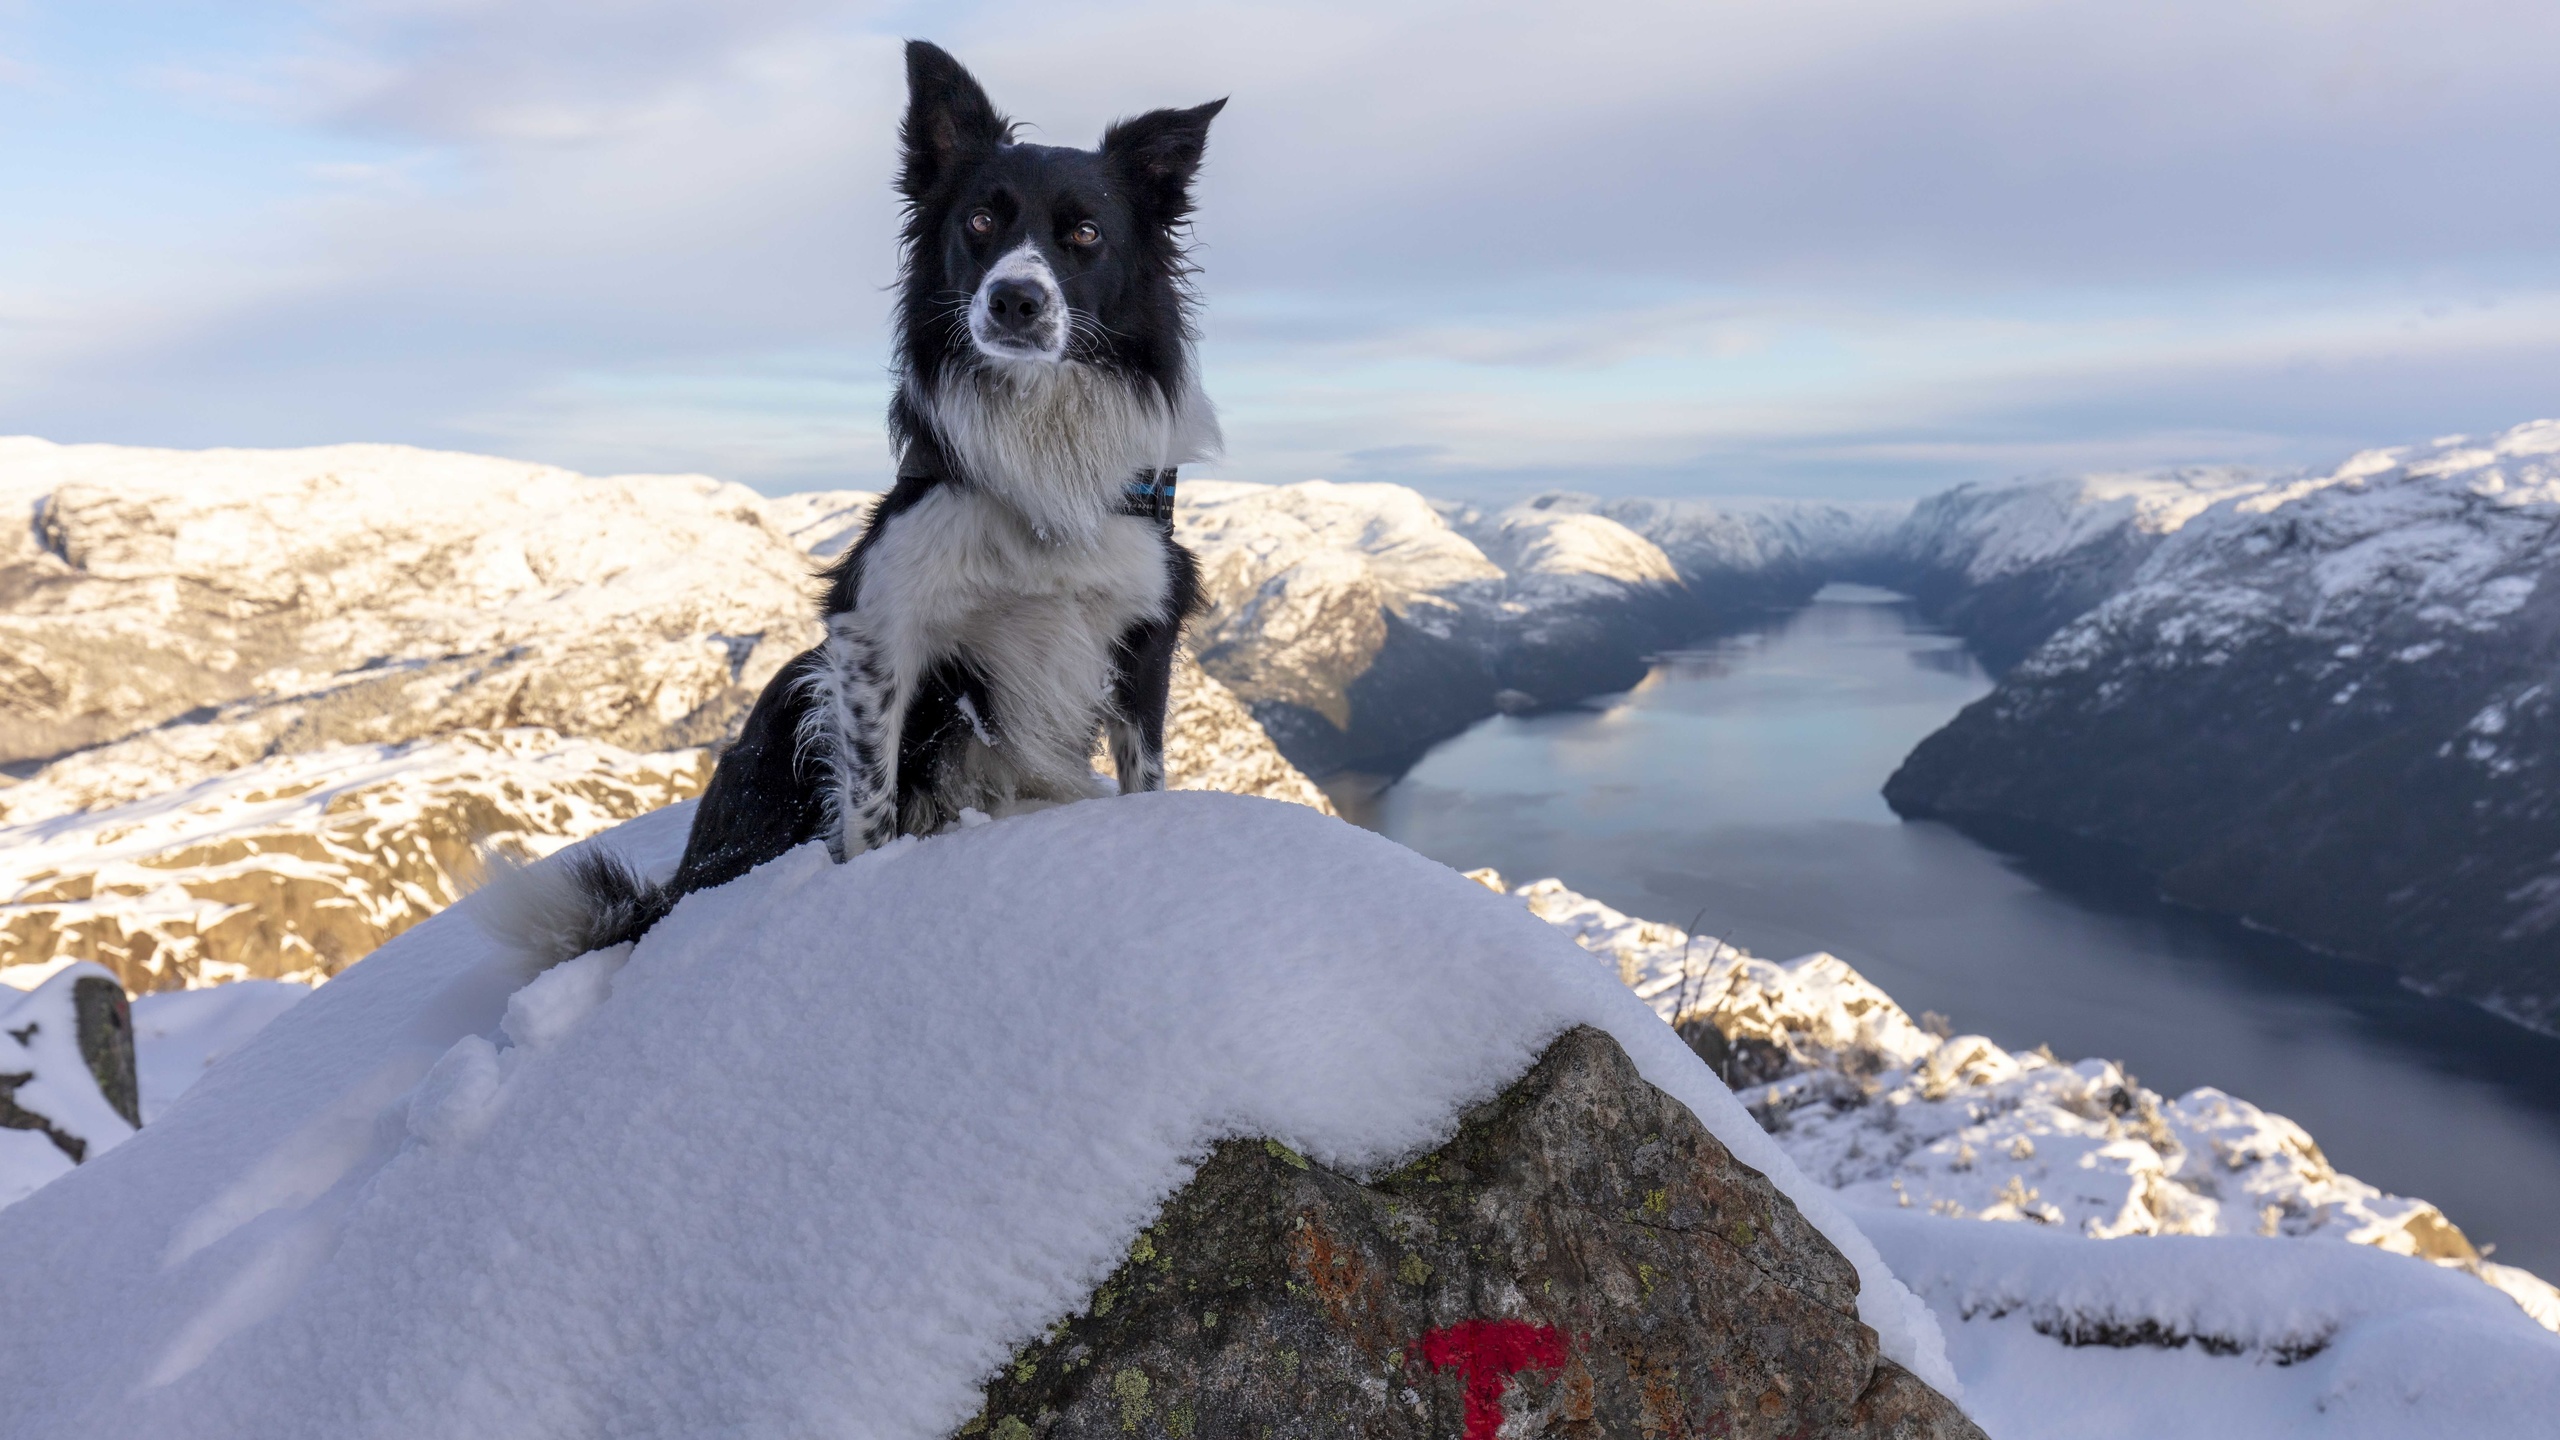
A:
{"points": [[963, 572]]}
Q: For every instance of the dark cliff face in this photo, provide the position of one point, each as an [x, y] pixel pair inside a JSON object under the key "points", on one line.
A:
{"points": [[2331, 716]]}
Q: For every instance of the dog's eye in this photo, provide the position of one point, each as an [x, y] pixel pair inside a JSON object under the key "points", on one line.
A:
{"points": [[982, 222], [1086, 233]]}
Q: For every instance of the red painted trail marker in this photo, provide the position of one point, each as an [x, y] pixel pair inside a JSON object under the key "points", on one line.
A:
{"points": [[1488, 1353]]}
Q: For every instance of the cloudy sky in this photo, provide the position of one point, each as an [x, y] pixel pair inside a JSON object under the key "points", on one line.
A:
{"points": [[1817, 247]]}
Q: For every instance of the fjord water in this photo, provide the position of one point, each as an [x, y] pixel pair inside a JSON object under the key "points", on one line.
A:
{"points": [[1734, 791]]}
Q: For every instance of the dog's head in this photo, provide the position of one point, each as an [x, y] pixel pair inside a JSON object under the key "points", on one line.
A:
{"points": [[1038, 255]]}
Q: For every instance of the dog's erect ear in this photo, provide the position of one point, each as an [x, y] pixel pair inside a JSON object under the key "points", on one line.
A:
{"points": [[1156, 155], [949, 118]]}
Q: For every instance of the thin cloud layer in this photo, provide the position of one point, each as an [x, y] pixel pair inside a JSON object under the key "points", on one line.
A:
{"points": [[1839, 247]]}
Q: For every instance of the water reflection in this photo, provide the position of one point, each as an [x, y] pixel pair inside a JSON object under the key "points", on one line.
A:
{"points": [[1739, 783]]}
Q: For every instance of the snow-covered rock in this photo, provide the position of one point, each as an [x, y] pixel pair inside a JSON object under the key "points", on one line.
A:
{"points": [[2325, 704], [66, 1072], [1590, 1213], [819, 1153], [1889, 1115]]}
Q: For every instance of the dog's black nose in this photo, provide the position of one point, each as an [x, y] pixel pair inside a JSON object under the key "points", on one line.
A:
{"points": [[1015, 304]]}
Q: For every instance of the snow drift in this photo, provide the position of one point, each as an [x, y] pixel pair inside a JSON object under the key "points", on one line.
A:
{"points": [[815, 1156]]}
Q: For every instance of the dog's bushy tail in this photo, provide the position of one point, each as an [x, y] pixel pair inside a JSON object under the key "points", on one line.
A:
{"points": [[586, 900]]}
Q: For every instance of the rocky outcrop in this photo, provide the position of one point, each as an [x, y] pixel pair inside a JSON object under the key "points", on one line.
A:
{"points": [[2326, 707], [1583, 1259]]}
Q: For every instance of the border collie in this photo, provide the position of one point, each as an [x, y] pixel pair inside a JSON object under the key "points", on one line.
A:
{"points": [[1019, 588]]}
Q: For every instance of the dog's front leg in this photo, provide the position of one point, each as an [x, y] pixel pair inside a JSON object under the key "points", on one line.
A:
{"points": [[1141, 690], [849, 732]]}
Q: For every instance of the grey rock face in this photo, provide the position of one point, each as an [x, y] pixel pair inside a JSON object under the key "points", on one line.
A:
{"points": [[1583, 1259]]}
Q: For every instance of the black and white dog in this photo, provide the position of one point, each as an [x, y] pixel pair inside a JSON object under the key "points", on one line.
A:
{"points": [[1019, 588]]}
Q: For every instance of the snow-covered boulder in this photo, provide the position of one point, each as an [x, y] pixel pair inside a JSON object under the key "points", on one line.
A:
{"points": [[2325, 705], [1579, 1239], [67, 1086], [819, 1154]]}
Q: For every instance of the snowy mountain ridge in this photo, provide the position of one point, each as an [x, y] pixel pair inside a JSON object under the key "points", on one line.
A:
{"points": [[1991, 530], [1708, 540], [2288, 652]]}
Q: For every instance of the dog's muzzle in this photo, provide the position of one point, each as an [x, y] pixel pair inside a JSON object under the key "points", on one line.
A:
{"points": [[1019, 313]]}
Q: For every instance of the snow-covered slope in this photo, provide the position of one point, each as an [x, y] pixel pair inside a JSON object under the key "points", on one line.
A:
{"points": [[2104, 1261], [299, 866], [296, 771], [1890, 1114], [690, 1190], [2324, 704], [2223, 1338], [1350, 617]]}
